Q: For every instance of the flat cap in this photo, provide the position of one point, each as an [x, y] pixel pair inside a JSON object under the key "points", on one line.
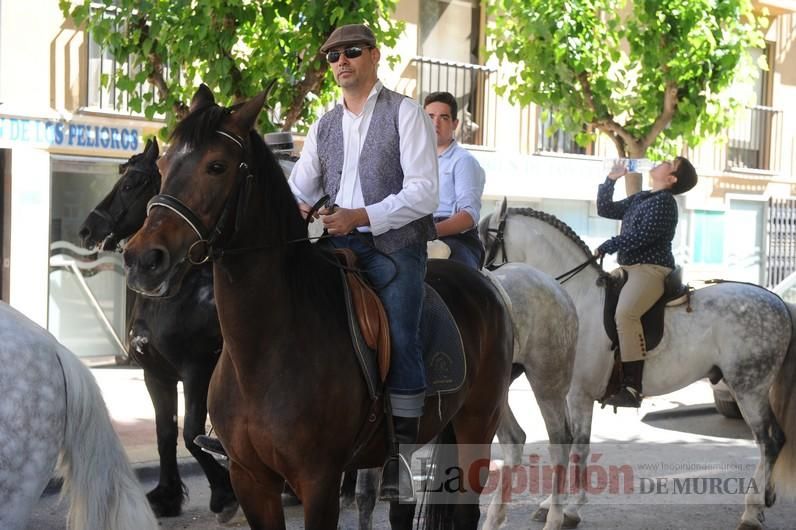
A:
{"points": [[349, 34]]}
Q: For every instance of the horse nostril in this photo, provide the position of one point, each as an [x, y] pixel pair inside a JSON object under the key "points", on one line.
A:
{"points": [[153, 260], [84, 233]]}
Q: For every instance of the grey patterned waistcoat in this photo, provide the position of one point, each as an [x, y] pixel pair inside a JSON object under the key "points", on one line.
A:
{"points": [[380, 172]]}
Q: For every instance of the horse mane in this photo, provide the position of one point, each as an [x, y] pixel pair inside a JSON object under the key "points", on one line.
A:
{"points": [[559, 225]]}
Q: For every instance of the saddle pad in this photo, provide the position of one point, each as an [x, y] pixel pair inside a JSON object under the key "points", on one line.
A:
{"points": [[446, 366]]}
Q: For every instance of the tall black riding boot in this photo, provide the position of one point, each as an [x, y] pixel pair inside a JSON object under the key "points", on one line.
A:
{"points": [[630, 393], [396, 475]]}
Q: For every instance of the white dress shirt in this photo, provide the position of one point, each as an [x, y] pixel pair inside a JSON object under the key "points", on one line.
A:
{"points": [[420, 193]]}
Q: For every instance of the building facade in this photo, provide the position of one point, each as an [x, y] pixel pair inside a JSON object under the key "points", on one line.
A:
{"points": [[62, 138], [725, 227]]}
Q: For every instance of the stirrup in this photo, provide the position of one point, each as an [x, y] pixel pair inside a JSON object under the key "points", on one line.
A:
{"points": [[626, 397], [211, 445], [399, 494]]}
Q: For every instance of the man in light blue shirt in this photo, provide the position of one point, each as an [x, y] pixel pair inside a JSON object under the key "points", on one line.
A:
{"points": [[461, 184]]}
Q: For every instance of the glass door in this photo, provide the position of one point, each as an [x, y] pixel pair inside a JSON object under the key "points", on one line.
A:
{"points": [[86, 310]]}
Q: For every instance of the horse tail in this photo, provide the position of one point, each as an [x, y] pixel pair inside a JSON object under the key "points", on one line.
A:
{"points": [[783, 403], [104, 492], [439, 502]]}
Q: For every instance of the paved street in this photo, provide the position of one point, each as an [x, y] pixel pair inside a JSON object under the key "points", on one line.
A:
{"points": [[670, 435]]}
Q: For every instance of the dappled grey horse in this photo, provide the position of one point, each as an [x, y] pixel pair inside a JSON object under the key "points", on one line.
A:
{"points": [[545, 334], [739, 331], [54, 420]]}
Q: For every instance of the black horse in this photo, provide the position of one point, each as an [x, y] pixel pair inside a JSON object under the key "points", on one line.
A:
{"points": [[173, 339]]}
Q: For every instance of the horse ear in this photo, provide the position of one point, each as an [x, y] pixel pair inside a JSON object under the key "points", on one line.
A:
{"points": [[151, 150], [503, 207], [202, 98], [245, 117]]}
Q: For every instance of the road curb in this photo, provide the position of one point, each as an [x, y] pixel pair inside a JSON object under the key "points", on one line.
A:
{"points": [[145, 471]]}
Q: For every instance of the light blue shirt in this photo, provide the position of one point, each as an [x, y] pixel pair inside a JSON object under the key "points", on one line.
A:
{"points": [[461, 183]]}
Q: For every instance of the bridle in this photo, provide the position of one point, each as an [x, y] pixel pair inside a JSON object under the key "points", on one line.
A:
{"points": [[148, 185], [208, 237], [499, 244]]}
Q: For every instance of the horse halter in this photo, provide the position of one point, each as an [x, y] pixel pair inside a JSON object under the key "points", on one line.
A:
{"points": [[208, 237]]}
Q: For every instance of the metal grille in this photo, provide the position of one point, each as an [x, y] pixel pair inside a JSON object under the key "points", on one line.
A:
{"points": [[781, 240], [473, 86]]}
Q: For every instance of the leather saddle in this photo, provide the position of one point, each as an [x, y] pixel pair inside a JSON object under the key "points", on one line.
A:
{"points": [[674, 293], [440, 338]]}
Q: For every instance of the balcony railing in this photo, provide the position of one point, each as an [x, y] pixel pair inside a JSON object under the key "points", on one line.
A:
{"points": [[755, 140], [474, 88], [557, 142]]}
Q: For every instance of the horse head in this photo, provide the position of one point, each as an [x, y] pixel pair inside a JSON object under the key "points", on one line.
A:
{"points": [[214, 162], [123, 209]]}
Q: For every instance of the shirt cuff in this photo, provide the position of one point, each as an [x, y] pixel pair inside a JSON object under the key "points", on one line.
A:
{"points": [[377, 214]]}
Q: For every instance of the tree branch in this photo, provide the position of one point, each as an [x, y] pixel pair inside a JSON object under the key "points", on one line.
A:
{"points": [[155, 75], [311, 83], [606, 124], [665, 117]]}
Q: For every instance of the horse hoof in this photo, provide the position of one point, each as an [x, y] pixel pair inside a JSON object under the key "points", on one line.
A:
{"points": [[540, 515], [746, 525], [570, 521], [771, 497], [165, 503], [227, 512]]}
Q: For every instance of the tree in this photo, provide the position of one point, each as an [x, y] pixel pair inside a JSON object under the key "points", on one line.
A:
{"points": [[236, 47], [648, 73]]}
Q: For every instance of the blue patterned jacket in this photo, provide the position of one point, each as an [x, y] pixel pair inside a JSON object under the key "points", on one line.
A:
{"points": [[649, 220]]}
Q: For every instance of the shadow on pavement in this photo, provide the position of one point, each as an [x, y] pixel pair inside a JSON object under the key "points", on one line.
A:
{"points": [[701, 420]]}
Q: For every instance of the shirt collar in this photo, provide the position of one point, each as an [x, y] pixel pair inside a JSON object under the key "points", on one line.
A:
{"points": [[448, 152], [374, 92]]}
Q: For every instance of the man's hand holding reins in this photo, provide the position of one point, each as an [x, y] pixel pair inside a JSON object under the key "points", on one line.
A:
{"points": [[305, 211], [342, 221]]}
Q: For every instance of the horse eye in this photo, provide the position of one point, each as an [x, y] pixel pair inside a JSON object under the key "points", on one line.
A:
{"points": [[216, 167]]}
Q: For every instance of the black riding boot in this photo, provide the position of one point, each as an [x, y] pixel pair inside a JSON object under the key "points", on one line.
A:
{"points": [[630, 393], [396, 475], [210, 445]]}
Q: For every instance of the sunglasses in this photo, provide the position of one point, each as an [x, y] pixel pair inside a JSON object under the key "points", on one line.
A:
{"points": [[351, 53]]}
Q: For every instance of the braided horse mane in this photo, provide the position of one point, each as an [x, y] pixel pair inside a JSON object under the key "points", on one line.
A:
{"points": [[562, 227]]}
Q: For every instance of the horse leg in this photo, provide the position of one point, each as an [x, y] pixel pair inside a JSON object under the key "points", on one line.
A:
{"points": [[367, 483], [511, 438], [222, 498], [260, 497], [769, 437], [580, 416], [167, 497], [554, 413], [320, 497]]}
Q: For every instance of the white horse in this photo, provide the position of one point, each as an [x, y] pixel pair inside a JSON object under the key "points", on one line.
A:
{"points": [[52, 415], [545, 334], [739, 331]]}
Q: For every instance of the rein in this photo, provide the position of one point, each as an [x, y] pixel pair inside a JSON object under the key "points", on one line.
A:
{"points": [[498, 244], [564, 278]]}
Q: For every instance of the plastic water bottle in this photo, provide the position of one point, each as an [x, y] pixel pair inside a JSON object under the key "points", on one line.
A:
{"points": [[633, 165]]}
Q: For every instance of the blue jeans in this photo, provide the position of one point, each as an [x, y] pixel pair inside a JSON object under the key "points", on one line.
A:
{"points": [[463, 252], [403, 301]]}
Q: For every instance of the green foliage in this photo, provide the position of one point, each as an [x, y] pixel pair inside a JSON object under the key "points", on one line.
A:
{"points": [[236, 47], [606, 65]]}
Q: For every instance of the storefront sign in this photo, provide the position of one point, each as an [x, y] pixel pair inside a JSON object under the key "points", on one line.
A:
{"points": [[48, 133]]}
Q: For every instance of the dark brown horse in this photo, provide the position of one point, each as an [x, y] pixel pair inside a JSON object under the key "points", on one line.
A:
{"points": [[287, 398]]}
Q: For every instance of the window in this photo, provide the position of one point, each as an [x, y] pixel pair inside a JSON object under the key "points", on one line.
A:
{"points": [[755, 135], [559, 141]]}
